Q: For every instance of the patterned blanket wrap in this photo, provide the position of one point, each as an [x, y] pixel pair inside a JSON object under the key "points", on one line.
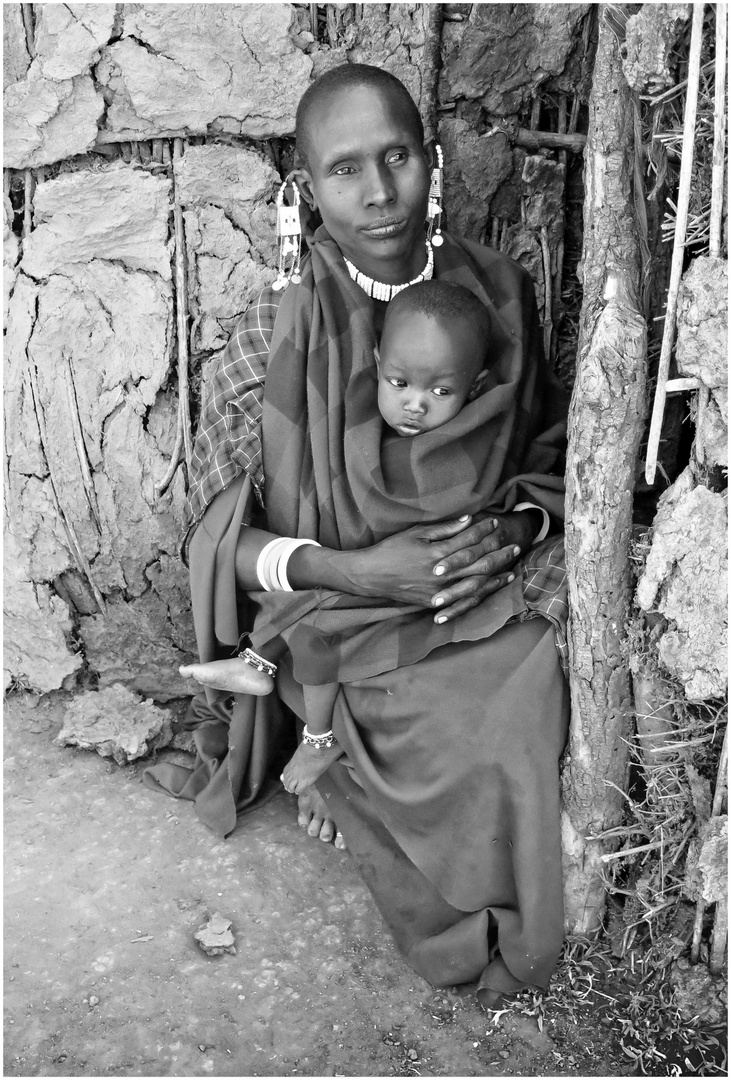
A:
{"points": [[337, 474]]}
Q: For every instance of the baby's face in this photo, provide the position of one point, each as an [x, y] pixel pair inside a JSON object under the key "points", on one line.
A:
{"points": [[426, 371]]}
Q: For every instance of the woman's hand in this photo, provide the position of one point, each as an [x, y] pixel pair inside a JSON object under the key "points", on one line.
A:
{"points": [[451, 566]]}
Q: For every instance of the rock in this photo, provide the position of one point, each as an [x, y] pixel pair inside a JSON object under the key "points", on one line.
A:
{"points": [[701, 348], [116, 723], [650, 36], [46, 121], [37, 628], [181, 67], [215, 936], [504, 52], [684, 578], [475, 167], [698, 993], [117, 213], [16, 59]]}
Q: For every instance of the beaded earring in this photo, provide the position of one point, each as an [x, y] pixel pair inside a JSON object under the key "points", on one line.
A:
{"points": [[434, 211], [289, 231]]}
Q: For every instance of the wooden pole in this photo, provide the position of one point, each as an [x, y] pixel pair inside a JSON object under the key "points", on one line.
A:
{"points": [[681, 220], [606, 423], [719, 132]]}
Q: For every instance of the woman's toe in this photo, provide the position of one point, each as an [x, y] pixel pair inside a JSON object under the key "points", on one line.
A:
{"points": [[340, 842], [327, 831]]}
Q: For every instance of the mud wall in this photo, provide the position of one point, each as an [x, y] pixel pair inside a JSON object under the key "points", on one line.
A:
{"points": [[114, 116]]}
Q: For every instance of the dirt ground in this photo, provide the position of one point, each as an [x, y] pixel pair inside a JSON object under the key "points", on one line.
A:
{"points": [[106, 883]]}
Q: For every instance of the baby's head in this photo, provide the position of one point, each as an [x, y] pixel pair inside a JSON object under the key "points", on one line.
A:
{"points": [[433, 355]]}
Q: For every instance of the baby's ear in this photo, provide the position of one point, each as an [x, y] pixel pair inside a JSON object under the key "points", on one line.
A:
{"points": [[478, 385]]}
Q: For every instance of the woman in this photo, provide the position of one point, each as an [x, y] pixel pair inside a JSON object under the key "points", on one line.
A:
{"points": [[448, 793]]}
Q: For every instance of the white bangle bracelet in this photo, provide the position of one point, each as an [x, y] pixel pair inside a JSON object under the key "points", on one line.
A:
{"points": [[284, 558], [546, 520], [271, 565]]}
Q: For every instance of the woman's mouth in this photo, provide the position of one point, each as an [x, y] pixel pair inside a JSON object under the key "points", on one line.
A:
{"points": [[384, 228]]}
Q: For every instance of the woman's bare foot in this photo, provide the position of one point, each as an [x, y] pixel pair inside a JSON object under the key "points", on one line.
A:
{"points": [[314, 816], [234, 675], [306, 765]]}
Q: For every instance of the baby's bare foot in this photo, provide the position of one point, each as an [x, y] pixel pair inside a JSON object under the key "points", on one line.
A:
{"points": [[307, 764], [234, 675]]}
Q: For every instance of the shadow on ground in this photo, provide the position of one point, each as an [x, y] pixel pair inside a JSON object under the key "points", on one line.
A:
{"points": [[106, 883]]}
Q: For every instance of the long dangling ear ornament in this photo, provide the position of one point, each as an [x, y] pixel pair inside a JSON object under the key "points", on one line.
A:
{"points": [[289, 232], [434, 210]]}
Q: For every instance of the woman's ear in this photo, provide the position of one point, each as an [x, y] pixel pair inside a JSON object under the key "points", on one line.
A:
{"points": [[478, 385], [430, 153], [303, 180], [377, 355]]}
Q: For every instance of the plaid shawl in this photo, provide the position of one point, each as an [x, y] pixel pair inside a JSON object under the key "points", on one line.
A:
{"points": [[335, 473]]}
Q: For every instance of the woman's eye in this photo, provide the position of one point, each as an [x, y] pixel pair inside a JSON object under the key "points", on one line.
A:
{"points": [[441, 391], [397, 157], [343, 170]]}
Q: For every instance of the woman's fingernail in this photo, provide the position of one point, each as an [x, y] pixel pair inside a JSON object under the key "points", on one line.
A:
{"points": [[465, 517], [511, 577], [438, 601], [494, 523], [516, 550], [441, 619], [439, 570]]}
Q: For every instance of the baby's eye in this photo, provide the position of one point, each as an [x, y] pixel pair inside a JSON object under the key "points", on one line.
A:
{"points": [[393, 381], [441, 391]]}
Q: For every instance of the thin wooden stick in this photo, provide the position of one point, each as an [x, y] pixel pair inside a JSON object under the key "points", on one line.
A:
{"points": [[28, 203], [181, 305], [681, 219], [535, 113], [548, 293], [164, 484], [534, 140], [73, 541], [183, 443], [719, 132], [495, 236], [157, 150], [562, 123], [73, 408], [677, 386]]}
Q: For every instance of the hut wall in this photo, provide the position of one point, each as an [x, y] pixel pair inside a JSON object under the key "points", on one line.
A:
{"points": [[95, 97]]}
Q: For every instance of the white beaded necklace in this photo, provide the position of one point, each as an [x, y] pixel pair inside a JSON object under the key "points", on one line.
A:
{"points": [[379, 290]]}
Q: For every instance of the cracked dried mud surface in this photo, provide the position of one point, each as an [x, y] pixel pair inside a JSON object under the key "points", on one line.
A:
{"points": [[106, 884]]}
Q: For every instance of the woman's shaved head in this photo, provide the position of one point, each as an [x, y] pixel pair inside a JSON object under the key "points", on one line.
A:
{"points": [[345, 77]]}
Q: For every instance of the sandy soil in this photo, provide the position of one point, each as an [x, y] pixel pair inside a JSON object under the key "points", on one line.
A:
{"points": [[106, 883]]}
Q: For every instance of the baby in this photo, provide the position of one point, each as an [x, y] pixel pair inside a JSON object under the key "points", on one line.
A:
{"points": [[432, 360]]}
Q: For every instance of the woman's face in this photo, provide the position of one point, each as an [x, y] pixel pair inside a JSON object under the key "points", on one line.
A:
{"points": [[368, 176]]}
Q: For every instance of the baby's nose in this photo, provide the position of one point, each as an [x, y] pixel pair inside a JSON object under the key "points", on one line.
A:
{"points": [[415, 404]]}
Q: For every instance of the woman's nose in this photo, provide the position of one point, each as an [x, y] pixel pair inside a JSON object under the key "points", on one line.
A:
{"points": [[380, 189]]}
